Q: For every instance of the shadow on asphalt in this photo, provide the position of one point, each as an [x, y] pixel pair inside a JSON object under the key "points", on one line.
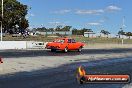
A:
{"points": [[35, 53], [64, 76]]}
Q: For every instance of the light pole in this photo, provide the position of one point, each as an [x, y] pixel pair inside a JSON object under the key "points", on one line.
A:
{"points": [[2, 20], [123, 26]]}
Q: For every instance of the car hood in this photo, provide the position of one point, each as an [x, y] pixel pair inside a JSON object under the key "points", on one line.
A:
{"points": [[82, 43]]}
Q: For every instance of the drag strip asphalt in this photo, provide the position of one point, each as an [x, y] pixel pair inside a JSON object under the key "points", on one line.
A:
{"points": [[35, 53]]}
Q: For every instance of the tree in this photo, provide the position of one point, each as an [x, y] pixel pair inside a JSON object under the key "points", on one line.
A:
{"points": [[66, 28], [86, 30], [105, 32], [42, 29], [121, 32], [74, 31], [58, 28], [14, 14], [23, 24], [81, 31], [129, 34], [51, 29]]}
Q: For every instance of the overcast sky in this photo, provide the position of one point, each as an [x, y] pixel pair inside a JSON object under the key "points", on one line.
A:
{"points": [[94, 14]]}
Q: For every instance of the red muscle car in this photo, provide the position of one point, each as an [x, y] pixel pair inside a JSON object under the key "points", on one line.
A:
{"points": [[65, 44]]}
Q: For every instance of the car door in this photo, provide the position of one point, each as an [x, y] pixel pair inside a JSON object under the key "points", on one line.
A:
{"points": [[70, 44], [74, 44]]}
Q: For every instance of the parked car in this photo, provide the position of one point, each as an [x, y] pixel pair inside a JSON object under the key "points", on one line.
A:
{"points": [[65, 44]]}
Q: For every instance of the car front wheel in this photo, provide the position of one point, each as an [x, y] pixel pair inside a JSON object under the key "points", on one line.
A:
{"points": [[66, 50], [80, 49]]}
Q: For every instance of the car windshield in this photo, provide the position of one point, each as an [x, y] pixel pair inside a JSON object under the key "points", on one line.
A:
{"points": [[59, 40]]}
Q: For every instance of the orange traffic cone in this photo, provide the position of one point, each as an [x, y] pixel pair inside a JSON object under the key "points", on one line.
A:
{"points": [[1, 60]]}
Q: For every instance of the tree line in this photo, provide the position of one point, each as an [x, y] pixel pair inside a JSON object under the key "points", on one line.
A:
{"points": [[76, 31], [121, 32], [58, 28], [64, 29]]}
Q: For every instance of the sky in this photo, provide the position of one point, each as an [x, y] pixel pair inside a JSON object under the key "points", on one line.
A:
{"points": [[94, 14]]}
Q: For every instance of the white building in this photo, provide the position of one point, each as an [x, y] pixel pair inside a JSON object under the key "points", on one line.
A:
{"points": [[89, 34]]}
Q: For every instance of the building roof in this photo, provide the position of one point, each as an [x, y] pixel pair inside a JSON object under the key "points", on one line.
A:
{"points": [[89, 33]]}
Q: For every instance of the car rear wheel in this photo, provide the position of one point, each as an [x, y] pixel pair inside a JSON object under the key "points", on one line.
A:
{"points": [[80, 49], [53, 50], [66, 50]]}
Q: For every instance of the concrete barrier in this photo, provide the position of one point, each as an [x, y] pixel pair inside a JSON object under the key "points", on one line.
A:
{"points": [[22, 45], [13, 45]]}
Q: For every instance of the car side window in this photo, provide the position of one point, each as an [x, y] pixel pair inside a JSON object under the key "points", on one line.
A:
{"points": [[62, 41], [69, 41], [73, 41]]}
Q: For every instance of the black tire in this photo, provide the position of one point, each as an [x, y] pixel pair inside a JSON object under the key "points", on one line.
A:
{"points": [[53, 50], [80, 49], [66, 50]]}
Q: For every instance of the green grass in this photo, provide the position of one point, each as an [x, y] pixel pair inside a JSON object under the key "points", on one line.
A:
{"points": [[103, 40], [80, 39]]}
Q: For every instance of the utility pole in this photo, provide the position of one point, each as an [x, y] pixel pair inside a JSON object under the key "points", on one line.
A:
{"points": [[1, 21]]}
